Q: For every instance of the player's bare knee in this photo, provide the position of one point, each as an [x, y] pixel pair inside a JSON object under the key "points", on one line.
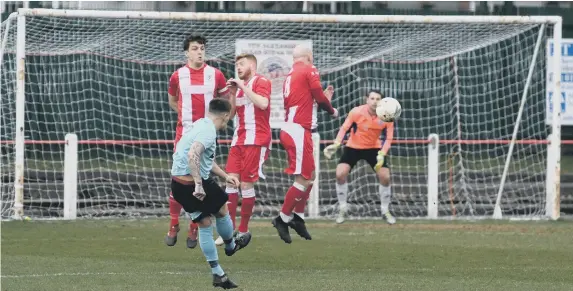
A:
{"points": [[342, 171], [205, 222], [341, 177], [310, 179], [384, 176], [310, 183], [301, 180], [247, 185]]}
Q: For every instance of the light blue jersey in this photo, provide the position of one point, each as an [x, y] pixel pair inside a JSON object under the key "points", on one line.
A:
{"points": [[203, 131]]}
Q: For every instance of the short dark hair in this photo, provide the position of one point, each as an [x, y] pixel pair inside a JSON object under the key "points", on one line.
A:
{"points": [[375, 91], [219, 106], [193, 38], [250, 57]]}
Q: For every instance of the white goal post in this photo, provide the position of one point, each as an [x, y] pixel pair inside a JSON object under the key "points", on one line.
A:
{"points": [[472, 88]]}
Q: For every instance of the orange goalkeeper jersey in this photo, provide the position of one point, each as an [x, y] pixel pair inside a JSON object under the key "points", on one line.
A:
{"points": [[366, 131]]}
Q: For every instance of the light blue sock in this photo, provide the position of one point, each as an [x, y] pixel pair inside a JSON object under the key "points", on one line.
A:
{"points": [[209, 249], [216, 268], [225, 230]]}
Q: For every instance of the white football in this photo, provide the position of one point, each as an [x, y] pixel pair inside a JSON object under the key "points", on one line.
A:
{"points": [[388, 109]]}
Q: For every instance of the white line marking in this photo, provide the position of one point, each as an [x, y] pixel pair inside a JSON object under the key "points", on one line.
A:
{"points": [[177, 273]]}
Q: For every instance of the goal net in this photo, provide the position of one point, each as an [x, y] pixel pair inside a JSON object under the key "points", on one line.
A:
{"points": [[104, 76]]}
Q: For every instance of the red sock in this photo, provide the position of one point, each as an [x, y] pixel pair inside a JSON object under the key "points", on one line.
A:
{"points": [[292, 197], [192, 226], [246, 211], [232, 205], [301, 205], [174, 210]]}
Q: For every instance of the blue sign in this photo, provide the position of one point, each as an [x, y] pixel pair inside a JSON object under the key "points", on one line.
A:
{"points": [[563, 102], [566, 48], [566, 81], [565, 77]]}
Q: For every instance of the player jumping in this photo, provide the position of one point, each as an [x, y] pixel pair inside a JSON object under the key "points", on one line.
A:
{"points": [[191, 88], [199, 194], [364, 144], [252, 138], [301, 89]]}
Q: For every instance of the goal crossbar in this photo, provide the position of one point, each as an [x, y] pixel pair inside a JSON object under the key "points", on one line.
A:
{"points": [[234, 17]]}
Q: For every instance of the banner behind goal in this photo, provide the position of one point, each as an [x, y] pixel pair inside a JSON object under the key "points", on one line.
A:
{"points": [[103, 75]]}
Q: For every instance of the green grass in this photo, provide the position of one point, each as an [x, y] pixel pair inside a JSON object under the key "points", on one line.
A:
{"points": [[400, 164], [130, 255]]}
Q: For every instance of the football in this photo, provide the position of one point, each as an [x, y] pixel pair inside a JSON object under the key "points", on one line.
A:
{"points": [[388, 109]]}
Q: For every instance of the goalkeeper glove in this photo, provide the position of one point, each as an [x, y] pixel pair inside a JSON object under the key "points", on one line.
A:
{"points": [[331, 149], [379, 161]]}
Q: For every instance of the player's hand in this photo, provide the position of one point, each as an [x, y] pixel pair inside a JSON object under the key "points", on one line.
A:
{"points": [[199, 192], [232, 90], [335, 114], [379, 161], [330, 150], [235, 83], [329, 92], [233, 181]]}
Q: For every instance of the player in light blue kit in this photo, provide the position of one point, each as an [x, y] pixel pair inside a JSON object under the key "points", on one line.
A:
{"points": [[199, 194]]}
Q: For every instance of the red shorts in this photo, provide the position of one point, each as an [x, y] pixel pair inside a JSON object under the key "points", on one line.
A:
{"points": [[247, 161], [298, 144]]}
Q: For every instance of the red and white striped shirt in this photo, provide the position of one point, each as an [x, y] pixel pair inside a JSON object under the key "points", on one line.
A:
{"points": [[254, 126], [302, 92], [195, 89]]}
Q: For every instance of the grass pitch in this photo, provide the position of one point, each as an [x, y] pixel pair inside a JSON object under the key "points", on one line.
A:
{"points": [[364, 255]]}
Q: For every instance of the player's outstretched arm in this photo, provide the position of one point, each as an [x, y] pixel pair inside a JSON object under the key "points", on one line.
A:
{"points": [[345, 127], [216, 170], [331, 149], [233, 181]]}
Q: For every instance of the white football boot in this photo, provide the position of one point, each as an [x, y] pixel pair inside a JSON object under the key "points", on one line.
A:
{"points": [[342, 209], [389, 218]]}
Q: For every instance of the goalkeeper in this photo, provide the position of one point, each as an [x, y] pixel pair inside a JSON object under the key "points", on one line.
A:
{"points": [[370, 139]]}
